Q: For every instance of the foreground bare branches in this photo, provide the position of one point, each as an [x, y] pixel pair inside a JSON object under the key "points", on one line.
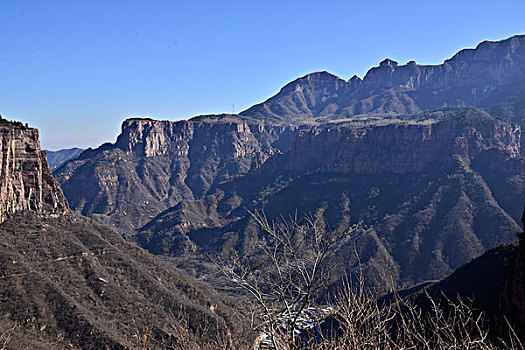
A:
{"points": [[366, 323], [286, 282]]}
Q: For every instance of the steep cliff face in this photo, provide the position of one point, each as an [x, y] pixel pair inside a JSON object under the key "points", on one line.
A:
{"points": [[26, 182], [156, 164], [492, 75], [231, 135], [400, 147]]}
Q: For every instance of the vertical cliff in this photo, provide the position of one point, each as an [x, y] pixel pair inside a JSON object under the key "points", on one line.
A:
{"points": [[401, 147], [26, 182]]}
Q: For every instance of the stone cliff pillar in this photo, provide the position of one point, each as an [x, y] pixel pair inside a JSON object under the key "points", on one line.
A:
{"points": [[26, 182]]}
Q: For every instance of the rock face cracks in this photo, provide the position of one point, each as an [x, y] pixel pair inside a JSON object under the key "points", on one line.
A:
{"points": [[26, 182]]}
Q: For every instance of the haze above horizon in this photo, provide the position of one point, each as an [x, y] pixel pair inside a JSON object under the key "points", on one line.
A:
{"points": [[76, 70]]}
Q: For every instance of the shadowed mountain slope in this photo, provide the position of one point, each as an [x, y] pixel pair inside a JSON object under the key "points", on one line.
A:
{"points": [[512, 302], [480, 282]]}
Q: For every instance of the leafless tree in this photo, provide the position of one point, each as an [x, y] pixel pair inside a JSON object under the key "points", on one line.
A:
{"points": [[286, 279]]}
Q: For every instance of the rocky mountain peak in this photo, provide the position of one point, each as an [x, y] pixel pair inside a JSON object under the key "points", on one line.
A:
{"points": [[355, 81], [313, 81], [388, 62]]}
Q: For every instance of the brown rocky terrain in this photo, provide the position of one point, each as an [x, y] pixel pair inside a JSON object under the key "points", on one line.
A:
{"points": [[26, 182], [67, 282]]}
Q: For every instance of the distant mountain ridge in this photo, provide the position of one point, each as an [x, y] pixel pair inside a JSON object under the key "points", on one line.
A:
{"points": [[491, 74], [57, 158]]}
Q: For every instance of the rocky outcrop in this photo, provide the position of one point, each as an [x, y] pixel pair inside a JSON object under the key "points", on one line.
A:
{"points": [[26, 182], [492, 73], [148, 138]]}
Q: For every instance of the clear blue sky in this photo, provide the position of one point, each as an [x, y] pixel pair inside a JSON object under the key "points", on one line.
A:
{"points": [[75, 69]]}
